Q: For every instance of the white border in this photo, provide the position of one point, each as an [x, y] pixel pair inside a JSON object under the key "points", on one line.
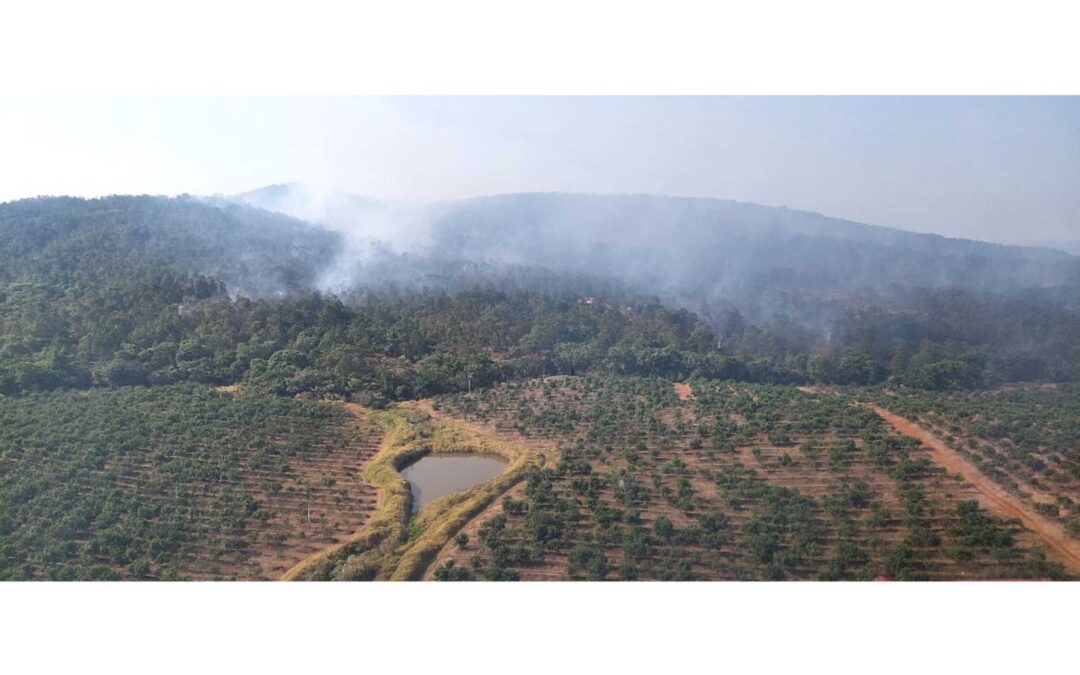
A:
{"points": [[556, 46], [550, 628], [470, 47]]}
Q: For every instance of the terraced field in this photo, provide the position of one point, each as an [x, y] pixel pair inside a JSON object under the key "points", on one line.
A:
{"points": [[176, 482], [727, 482], [1026, 439], [610, 478]]}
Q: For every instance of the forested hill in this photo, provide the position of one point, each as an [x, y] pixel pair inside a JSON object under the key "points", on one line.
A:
{"points": [[324, 207], [146, 290], [771, 283], [708, 255], [725, 246], [254, 252]]}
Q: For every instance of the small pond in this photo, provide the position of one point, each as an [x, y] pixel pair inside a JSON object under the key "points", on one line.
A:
{"points": [[433, 476]]}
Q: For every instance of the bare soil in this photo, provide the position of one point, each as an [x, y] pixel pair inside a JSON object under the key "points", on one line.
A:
{"points": [[683, 391], [991, 494]]}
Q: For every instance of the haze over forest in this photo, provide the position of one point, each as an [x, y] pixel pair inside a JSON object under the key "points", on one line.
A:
{"points": [[765, 294], [582, 201], [227, 383]]}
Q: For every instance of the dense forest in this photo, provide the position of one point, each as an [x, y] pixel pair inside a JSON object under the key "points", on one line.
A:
{"points": [[142, 290], [773, 284]]}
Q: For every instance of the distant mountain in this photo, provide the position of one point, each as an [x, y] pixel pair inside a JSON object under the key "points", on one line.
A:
{"points": [[707, 254], [711, 256], [709, 249], [784, 286], [323, 207], [254, 252], [1070, 247]]}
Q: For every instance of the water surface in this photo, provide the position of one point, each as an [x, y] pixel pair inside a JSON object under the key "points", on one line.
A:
{"points": [[436, 475]]}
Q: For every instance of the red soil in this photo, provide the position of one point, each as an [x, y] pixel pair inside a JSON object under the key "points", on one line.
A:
{"points": [[993, 495], [683, 391]]}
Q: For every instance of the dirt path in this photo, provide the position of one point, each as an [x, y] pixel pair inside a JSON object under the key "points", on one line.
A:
{"points": [[683, 391], [996, 497]]}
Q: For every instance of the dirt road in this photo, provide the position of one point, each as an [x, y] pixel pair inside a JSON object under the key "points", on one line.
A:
{"points": [[996, 497]]}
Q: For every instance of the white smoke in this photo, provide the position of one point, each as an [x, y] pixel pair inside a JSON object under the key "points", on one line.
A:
{"points": [[371, 229]]}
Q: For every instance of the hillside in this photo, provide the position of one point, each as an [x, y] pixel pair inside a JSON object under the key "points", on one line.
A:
{"points": [[142, 289], [703, 251], [124, 456], [254, 252], [768, 281], [174, 482], [730, 247]]}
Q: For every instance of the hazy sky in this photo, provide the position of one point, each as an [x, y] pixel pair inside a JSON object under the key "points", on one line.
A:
{"points": [[1005, 169]]}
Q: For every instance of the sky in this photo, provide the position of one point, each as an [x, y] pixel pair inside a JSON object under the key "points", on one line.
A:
{"points": [[1000, 169]]}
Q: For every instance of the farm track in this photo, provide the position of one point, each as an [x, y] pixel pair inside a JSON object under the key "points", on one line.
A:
{"points": [[950, 478], [994, 496], [567, 413]]}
